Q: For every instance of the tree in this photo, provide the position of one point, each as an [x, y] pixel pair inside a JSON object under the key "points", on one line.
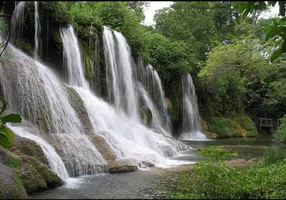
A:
{"points": [[229, 71], [276, 30]]}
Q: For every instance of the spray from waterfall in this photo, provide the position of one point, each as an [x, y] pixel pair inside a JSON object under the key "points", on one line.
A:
{"points": [[191, 117]]}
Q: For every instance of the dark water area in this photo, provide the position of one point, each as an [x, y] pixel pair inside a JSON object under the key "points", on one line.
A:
{"points": [[246, 148]]}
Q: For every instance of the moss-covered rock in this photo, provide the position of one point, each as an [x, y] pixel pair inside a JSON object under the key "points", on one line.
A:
{"points": [[23, 146], [248, 125], [50, 177], [223, 127], [32, 180], [32, 173], [146, 115], [11, 186]]}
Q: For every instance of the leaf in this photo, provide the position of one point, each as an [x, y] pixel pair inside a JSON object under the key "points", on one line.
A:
{"points": [[4, 141], [4, 104], [276, 54], [7, 132], [15, 118]]}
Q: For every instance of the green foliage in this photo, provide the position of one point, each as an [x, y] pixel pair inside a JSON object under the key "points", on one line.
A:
{"points": [[57, 10], [247, 124], [229, 71], [277, 152], [216, 154], [214, 179], [221, 126], [3, 25], [275, 31], [6, 135]]}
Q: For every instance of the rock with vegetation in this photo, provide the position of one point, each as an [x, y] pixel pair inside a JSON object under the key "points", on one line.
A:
{"points": [[30, 166], [221, 127], [23, 146], [11, 186]]}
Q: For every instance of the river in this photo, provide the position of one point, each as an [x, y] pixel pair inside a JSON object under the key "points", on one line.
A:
{"points": [[141, 184]]}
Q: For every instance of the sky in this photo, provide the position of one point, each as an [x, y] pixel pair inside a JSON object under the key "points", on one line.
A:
{"points": [[155, 5]]}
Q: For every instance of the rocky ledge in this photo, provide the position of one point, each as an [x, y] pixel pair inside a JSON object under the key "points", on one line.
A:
{"points": [[24, 170]]}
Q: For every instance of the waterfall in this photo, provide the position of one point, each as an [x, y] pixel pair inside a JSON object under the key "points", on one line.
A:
{"points": [[72, 58], [37, 94], [149, 77], [121, 86], [54, 159], [37, 31], [60, 110], [126, 136], [17, 22], [156, 118], [191, 117], [129, 139]]}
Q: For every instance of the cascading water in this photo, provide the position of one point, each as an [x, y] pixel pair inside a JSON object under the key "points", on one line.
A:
{"points": [[37, 31], [191, 117], [17, 22], [125, 135], [121, 87], [156, 118], [149, 77], [130, 140], [72, 58], [53, 158], [33, 91]]}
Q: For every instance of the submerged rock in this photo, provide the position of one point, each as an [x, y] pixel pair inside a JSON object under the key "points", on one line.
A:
{"points": [[145, 164], [122, 169]]}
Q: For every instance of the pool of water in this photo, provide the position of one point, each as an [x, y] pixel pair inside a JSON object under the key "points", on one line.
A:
{"points": [[246, 148]]}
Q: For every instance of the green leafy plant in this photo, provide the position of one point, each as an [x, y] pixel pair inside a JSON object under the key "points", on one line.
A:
{"points": [[6, 135]]}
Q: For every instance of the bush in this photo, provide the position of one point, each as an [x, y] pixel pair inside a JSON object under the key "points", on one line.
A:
{"points": [[277, 153], [214, 179], [248, 125], [223, 127]]}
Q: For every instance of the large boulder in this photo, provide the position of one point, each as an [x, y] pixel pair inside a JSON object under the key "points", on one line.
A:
{"points": [[37, 176], [23, 146], [10, 185], [33, 172], [122, 166]]}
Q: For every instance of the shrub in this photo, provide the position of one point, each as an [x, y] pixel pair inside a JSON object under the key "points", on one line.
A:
{"points": [[222, 126]]}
